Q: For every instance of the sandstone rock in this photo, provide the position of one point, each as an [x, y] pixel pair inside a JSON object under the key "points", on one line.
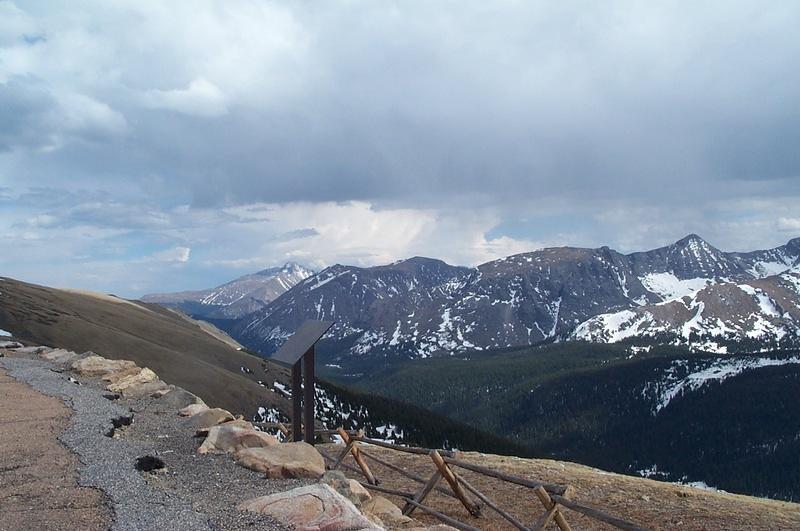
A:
{"points": [[10, 345], [202, 432], [130, 381], [36, 351], [95, 365], [116, 376], [437, 527], [359, 491], [179, 398], [193, 409], [349, 488], [313, 508], [208, 418], [287, 460], [389, 513], [61, 356], [141, 390], [232, 436]]}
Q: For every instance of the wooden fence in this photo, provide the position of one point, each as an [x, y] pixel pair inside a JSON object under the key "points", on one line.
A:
{"points": [[553, 498]]}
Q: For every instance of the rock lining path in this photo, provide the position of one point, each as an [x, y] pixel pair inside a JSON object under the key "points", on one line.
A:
{"points": [[90, 477]]}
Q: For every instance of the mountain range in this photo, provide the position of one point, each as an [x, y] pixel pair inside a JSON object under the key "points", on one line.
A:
{"points": [[421, 307], [236, 298]]}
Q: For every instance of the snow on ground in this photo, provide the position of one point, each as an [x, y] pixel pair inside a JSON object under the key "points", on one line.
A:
{"points": [[668, 286], [680, 378], [3, 333], [610, 327]]}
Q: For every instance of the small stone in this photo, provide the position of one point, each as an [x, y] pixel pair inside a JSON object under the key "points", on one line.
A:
{"points": [[312, 508]]}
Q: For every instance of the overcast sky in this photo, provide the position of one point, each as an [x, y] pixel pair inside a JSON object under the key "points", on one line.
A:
{"points": [[158, 146]]}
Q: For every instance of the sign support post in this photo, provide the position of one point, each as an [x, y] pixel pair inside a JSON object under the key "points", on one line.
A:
{"points": [[299, 353]]}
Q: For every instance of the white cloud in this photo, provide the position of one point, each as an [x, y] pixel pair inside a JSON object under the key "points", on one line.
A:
{"points": [[176, 254], [789, 224], [200, 98]]}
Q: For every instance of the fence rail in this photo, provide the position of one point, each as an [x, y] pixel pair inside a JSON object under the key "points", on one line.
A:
{"points": [[553, 498]]}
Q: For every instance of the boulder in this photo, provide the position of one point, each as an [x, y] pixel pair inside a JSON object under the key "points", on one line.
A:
{"points": [[389, 513], [232, 436], [32, 350], [179, 398], [286, 460], [95, 365], [209, 417], [193, 409], [239, 423], [116, 376], [60, 355], [126, 385], [312, 508], [10, 344], [140, 390], [349, 488], [203, 432]]}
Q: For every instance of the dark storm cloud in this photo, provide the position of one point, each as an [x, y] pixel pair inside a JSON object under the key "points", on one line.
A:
{"points": [[366, 130], [417, 104]]}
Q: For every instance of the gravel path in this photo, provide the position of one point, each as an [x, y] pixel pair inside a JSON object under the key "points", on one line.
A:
{"points": [[193, 492], [39, 475]]}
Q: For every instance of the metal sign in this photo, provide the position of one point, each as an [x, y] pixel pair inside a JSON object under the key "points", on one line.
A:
{"points": [[302, 340], [298, 353]]}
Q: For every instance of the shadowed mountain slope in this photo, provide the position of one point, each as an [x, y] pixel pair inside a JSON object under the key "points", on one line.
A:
{"points": [[176, 348]]}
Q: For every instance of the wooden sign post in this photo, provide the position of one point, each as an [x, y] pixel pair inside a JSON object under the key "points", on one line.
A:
{"points": [[298, 352]]}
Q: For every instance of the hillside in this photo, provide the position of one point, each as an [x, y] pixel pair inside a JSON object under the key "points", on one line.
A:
{"points": [[196, 356], [175, 347], [422, 307], [729, 421]]}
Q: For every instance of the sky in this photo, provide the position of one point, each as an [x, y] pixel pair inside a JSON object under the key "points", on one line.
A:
{"points": [[159, 146]]}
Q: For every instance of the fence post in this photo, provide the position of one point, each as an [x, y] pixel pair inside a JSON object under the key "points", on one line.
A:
{"points": [[552, 511], [473, 508]]}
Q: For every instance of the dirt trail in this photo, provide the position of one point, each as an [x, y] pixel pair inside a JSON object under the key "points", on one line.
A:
{"points": [[38, 475]]}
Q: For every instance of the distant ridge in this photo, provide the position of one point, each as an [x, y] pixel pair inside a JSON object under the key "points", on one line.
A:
{"points": [[238, 297], [421, 306]]}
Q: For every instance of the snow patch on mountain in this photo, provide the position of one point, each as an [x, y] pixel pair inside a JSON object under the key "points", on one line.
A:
{"points": [[669, 287], [684, 376]]}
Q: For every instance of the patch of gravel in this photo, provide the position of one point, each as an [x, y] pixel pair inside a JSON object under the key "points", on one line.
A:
{"points": [[196, 492], [213, 483]]}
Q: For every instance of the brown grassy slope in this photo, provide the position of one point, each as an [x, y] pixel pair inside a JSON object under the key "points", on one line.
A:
{"points": [[650, 504], [176, 348]]}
